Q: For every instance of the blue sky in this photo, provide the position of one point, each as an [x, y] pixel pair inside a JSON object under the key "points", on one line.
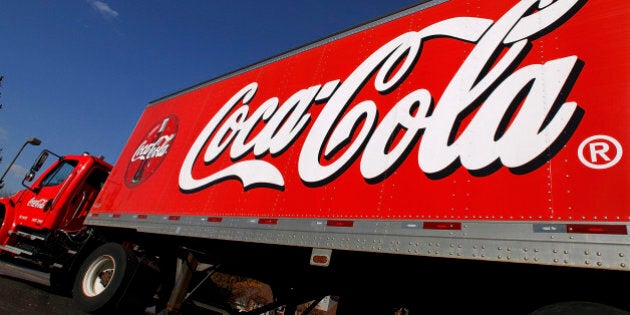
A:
{"points": [[79, 73]]}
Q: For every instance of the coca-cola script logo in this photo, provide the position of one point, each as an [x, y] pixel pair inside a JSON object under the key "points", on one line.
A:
{"points": [[37, 203], [151, 151], [488, 97]]}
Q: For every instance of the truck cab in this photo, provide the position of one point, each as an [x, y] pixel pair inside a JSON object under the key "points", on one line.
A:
{"points": [[43, 223]]}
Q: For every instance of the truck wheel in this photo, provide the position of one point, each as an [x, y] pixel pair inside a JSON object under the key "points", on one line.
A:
{"points": [[101, 281]]}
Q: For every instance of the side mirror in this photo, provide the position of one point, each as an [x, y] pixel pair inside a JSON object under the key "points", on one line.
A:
{"points": [[30, 176], [38, 164]]}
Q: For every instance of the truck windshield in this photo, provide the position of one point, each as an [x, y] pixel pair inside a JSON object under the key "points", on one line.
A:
{"points": [[59, 174]]}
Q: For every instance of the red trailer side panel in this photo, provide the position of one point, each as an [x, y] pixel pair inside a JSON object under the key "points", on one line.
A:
{"points": [[463, 110]]}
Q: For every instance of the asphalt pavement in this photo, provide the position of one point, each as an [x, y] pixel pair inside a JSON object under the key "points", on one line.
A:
{"points": [[22, 297]]}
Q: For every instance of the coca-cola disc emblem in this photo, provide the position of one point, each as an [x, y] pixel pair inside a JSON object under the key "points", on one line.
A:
{"points": [[151, 151]]}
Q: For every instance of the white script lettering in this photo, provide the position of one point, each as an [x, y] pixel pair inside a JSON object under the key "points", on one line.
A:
{"points": [[152, 150], [348, 129]]}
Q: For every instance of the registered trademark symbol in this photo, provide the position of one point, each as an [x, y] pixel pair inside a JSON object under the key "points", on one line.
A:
{"points": [[600, 151]]}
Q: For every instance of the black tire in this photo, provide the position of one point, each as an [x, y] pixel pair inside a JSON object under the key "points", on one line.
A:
{"points": [[102, 280]]}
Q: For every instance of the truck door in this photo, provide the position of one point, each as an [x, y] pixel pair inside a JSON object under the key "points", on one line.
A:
{"points": [[43, 204]]}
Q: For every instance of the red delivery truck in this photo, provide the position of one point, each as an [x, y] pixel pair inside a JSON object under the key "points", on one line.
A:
{"points": [[453, 156]]}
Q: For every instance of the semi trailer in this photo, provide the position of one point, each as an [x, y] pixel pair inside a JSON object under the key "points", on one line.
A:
{"points": [[452, 156]]}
